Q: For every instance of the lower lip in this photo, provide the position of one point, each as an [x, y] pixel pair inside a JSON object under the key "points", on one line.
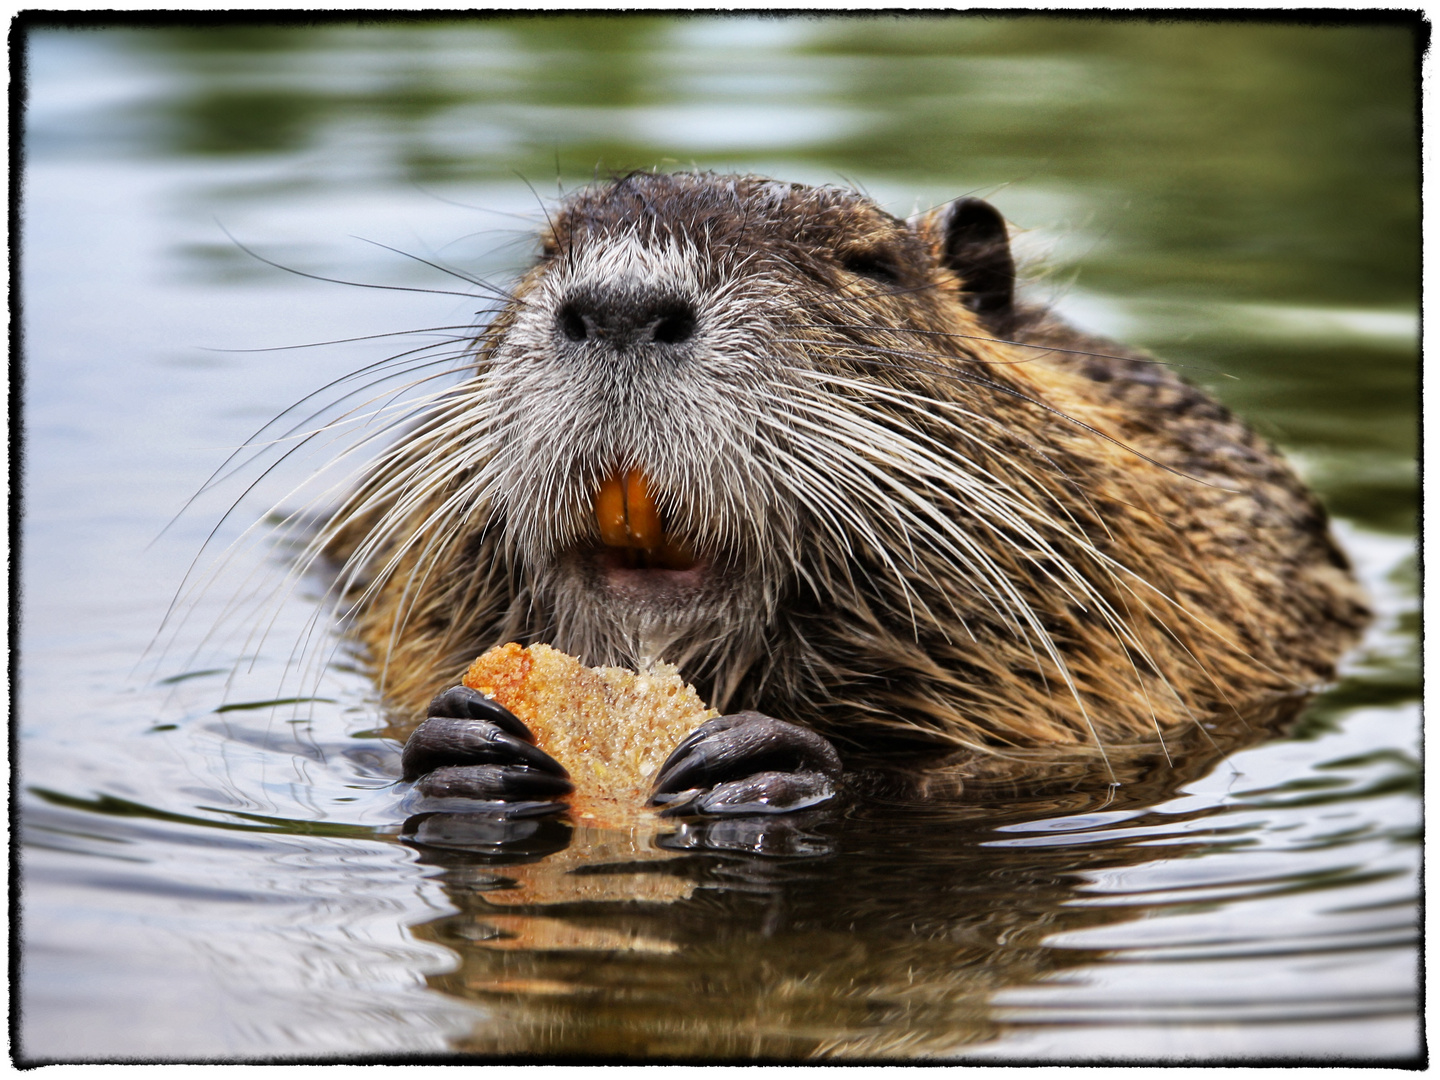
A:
{"points": [[630, 579]]}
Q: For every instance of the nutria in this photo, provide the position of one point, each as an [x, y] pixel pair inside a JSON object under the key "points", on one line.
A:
{"points": [[826, 462]]}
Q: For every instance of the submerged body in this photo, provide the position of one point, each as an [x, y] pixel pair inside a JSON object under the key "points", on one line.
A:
{"points": [[823, 461]]}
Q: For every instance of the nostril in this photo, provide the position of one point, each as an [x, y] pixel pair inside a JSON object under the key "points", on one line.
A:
{"points": [[572, 323], [676, 323]]}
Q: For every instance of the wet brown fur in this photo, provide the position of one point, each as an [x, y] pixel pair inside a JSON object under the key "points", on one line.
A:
{"points": [[1223, 570]]}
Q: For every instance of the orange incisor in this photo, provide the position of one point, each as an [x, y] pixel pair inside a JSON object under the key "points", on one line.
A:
{"points": [[629, 519]]}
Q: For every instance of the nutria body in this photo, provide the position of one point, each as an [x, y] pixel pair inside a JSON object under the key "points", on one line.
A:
{"points": [[822, 459]]}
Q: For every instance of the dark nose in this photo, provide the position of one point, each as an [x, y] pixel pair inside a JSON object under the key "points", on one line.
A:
{"points": [[627, 319]]}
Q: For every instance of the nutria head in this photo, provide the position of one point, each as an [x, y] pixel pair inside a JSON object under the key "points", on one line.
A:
{"points": [[668, 463]]}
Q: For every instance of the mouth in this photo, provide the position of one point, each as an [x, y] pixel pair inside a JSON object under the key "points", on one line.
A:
{"points": [[638, 554]]}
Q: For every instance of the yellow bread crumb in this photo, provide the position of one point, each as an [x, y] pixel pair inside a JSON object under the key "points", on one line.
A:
{"points": [[612, 728]]}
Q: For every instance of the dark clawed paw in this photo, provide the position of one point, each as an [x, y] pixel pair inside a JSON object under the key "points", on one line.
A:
{"points": [[471, 748], [747, 763], [443, 740]]}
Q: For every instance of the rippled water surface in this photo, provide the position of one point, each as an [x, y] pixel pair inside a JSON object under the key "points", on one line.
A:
{"points": [[208, 873]]}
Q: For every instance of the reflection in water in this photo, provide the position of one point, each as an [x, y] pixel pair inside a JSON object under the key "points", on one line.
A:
{"points": [[751, 956]]}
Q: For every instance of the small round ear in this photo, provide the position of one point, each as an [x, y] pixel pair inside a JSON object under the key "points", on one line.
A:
{"points": [[976, 246]]}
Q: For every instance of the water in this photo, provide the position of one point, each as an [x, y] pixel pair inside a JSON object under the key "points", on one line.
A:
{"points": [[208, 876]]}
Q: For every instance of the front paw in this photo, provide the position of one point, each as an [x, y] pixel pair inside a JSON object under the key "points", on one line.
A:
{"points": [[471, 748], [747, 763]]}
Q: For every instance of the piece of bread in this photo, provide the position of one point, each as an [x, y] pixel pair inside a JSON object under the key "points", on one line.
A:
{"points": [[610, 727]]}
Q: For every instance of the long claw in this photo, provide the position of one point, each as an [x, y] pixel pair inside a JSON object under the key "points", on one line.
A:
{"points": [[462, 703], [704, 731]]}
